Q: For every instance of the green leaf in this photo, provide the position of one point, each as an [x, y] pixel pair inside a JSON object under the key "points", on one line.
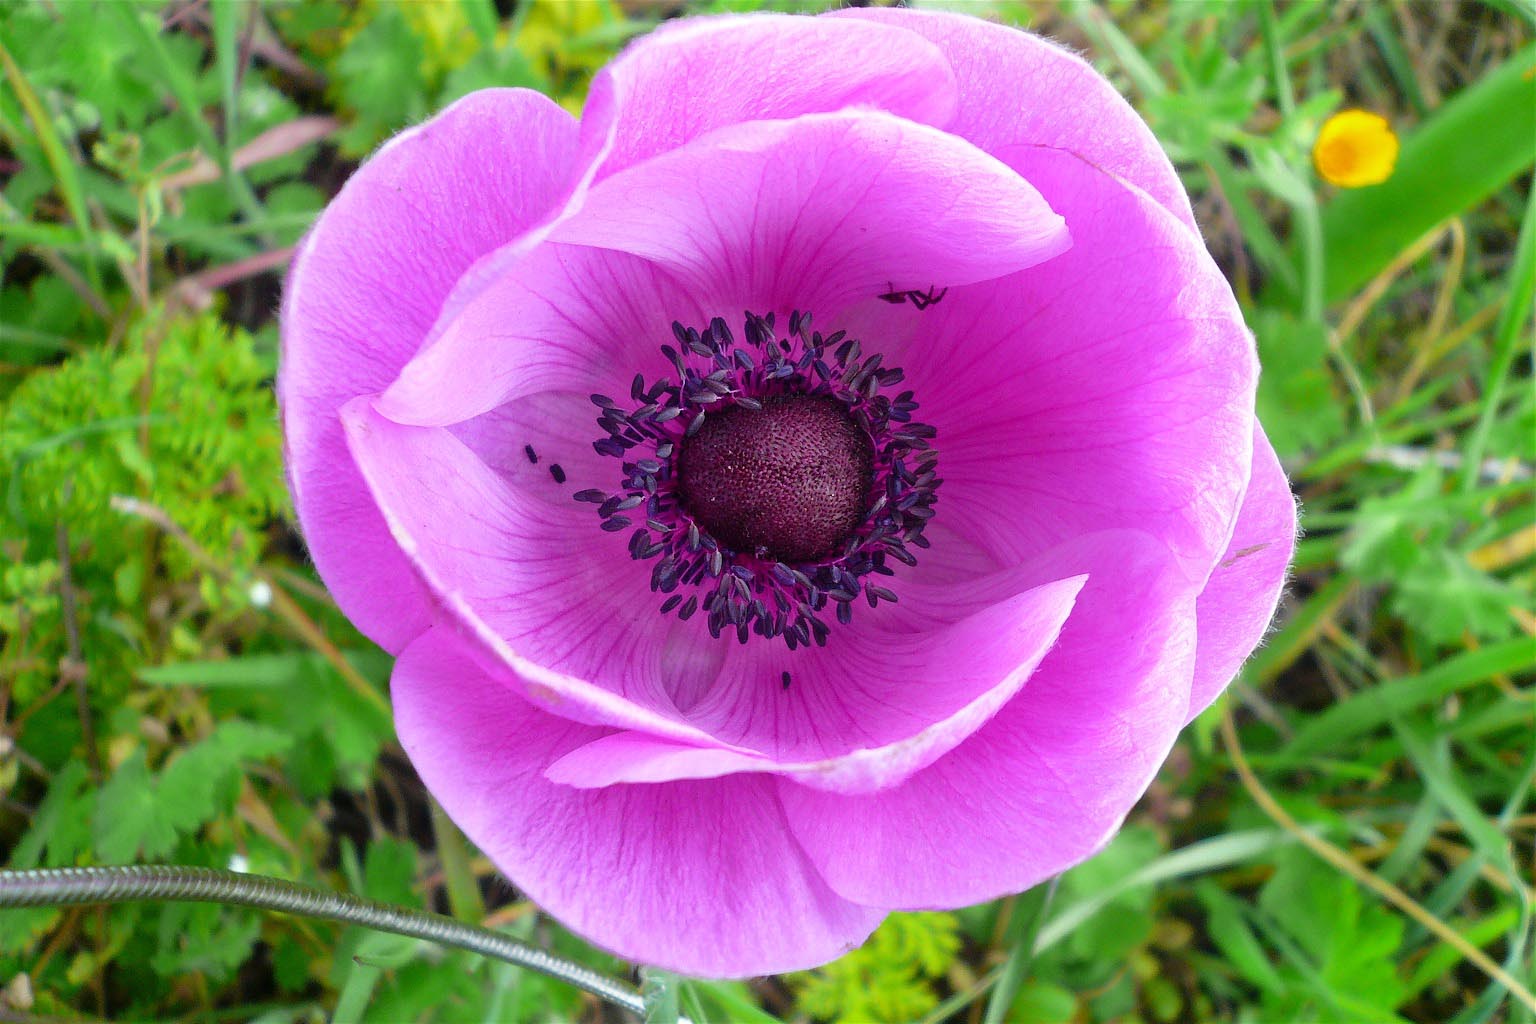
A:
{"points": [[251, 670], [1351, 941], [1443, 598], [1041, 1001], [1235, 939], [389, 872], [60, 823], [1195, 859], [1298, 401], [203, 781], [379, 76], [1105, 938], [129, 821], [138, 815], [63, 166], [1029, 910], [208, 940], [1510, 336]]}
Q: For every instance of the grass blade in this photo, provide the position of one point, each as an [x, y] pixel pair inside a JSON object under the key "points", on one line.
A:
{"points": [[184, 90], [1506, 341], [1023, 928], [1373, 708], [58, 158]]}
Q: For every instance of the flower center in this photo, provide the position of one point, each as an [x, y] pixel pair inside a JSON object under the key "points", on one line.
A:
{"points": [[771, 480], [788, 481]]}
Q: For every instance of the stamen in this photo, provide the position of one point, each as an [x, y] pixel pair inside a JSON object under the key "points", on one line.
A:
{"points": [[781, 576]]}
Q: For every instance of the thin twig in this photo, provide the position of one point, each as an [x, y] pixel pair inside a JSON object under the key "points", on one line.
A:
{"points": [[286, 138], [78, 284], [1347, 864], [74, 667], [284, 606], [196, 290], [267, 45]]}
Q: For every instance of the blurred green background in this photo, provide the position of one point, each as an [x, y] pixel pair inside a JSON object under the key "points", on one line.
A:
{"points": [[175, 686]]}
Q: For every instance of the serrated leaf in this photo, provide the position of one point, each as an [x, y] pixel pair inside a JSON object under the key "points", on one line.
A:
{"points": [[1298, 400], [206, 939], [389, 872], [202, 782], [129, 822], [1444, 598], [60, 825], [1326, 915]]}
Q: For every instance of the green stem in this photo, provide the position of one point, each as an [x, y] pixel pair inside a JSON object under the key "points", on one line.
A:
{"points": [[1029, 912], [659, 990], [1506, 343], [184, 90], [1275, 51], [459, 877], [74, 886], [1309, 224]]}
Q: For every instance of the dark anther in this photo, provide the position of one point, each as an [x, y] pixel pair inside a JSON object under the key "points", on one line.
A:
{"points": [[771, 476]]}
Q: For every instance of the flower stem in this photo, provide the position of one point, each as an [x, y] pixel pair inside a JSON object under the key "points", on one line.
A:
{"points": [[73, 886], [459, 877], [1029, 910], [659, 990]]}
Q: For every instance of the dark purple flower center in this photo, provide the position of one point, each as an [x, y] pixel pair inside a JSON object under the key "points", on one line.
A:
{"points": [[771, 480], [788, 482]]}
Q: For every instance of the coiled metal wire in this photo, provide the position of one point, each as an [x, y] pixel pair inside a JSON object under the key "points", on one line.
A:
{"points": [[69, 886]]}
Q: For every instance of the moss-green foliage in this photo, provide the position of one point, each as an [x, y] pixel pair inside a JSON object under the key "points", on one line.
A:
{"points": [[181, 415], [888, 980]]}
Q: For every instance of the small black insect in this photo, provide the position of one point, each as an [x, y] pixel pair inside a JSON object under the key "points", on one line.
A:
{"points": [[784, 680], [556, 472], [533, 456], [920, 300]]}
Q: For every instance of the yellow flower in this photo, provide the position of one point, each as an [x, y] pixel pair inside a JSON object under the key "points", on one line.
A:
{"points": [[1355, 148]]}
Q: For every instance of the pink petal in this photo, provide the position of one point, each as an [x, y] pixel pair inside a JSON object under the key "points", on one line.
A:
{"points": [[1239, 600], [698, 877], [910, 699], [1049, 779], [558, 426], [694, 76], [1018, 88], [563, 317], [530, 582], [622, 758], [689, 77], [1109, 388], [364, 289], [817, 211]]}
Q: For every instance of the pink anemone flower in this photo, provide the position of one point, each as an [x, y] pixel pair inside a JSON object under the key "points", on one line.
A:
{"points": [[822, 480]]}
